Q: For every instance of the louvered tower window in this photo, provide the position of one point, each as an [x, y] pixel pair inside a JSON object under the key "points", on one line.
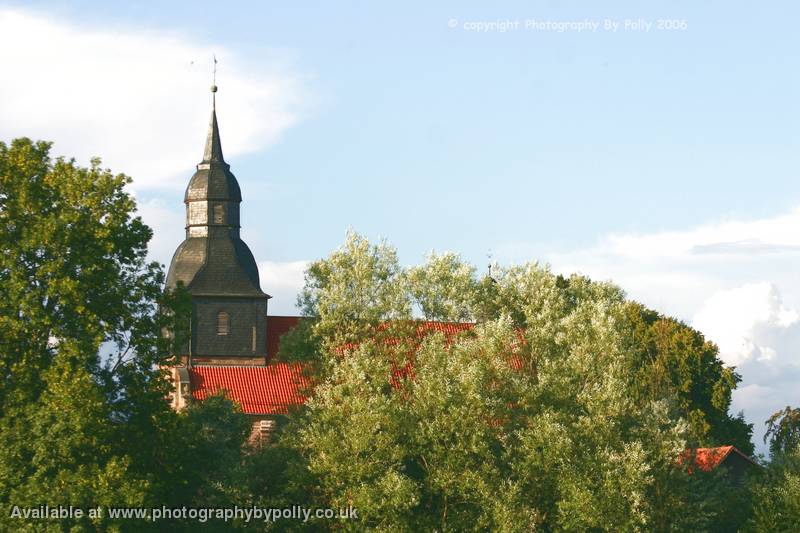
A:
{"points": [[223, 323], [219, 214]]}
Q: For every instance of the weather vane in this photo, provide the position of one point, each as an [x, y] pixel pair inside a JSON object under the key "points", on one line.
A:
{"points": [[214, 72], [214, 82]]}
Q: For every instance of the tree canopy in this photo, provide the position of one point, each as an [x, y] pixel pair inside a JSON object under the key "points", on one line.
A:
{"points": [[84, 412], [565, 407], [776, 495]]}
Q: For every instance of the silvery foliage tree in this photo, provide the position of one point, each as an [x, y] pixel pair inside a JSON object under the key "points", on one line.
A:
{"points": [[532, 419]]}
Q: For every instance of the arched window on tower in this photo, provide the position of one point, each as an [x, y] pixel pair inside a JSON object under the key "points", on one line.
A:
{"points": [[219, 214], [223, 323]]}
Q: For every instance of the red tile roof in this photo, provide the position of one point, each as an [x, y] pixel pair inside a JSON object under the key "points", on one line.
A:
{"points": [[448, 328], [270, 389], [276, 327], [707, 459]]}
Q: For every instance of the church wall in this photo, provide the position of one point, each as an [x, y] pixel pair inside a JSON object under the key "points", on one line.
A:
{"points": [[246, 318]]}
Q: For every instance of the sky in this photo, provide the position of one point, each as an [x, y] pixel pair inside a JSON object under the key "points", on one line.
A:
{"points": [[654, 145]]}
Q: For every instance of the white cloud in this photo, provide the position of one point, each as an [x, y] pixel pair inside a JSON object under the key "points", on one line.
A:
{"points": [[676, 271], [736, 281], [771, 235], [741, 320], [137, 98], [140, 100], [761, 336], [282, 281]]}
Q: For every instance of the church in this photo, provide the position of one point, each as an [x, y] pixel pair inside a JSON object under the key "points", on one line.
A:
{"points": [[232, 339]]}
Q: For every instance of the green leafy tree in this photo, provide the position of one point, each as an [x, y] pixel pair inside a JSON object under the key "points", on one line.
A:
{"points": [[783, 431], [776, 495], [566, 407], [353, 291], [73, 277], [471, 443], [73, 265], [444, 288], [60, 450], [84, 416], [670, 359]]}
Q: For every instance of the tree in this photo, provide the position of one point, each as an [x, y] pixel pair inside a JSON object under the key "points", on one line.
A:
{"points": [[783, 431], [444, 288], [60, 450], [472, 443], [613, 394], [353, 291], [670, 359], [73, 276], [73, 265], [84, 416], [776, 495], [566, 406]]}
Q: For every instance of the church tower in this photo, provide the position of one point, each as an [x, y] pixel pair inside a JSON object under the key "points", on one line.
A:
{"points": [[229, 309]]}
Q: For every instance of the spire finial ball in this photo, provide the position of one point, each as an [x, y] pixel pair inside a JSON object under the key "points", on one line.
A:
{"points": [[213, 88]]}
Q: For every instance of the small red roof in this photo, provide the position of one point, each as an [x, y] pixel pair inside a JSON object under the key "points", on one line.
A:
{"points": [[707, 459], [270, 389]]}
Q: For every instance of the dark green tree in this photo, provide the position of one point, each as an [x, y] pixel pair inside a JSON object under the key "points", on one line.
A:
{"points": [[776, 495], [84, 412], [783, 431]]}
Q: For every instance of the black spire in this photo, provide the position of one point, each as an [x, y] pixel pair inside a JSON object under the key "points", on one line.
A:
{"points": [[229, 309], [213, 151], [213, 259]]}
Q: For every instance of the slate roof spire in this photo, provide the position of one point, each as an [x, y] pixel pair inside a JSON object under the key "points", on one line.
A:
{"points": [[213, 260], [213, 151]]}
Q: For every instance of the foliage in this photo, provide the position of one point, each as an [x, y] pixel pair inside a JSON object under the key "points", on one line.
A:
{"points": [[776, 496], [444, 288], [666, 358], [84, 416], [367, 278], [60, 450], [566, 408], [783, 430], [72, 268], [673, 360]]}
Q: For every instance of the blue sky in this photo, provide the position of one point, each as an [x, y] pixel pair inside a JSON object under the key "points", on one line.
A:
{"points": [[538, 136], [665, 160]]}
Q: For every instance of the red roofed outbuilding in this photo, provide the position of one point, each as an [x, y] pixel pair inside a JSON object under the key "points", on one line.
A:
{"points": [[729, 457]]}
